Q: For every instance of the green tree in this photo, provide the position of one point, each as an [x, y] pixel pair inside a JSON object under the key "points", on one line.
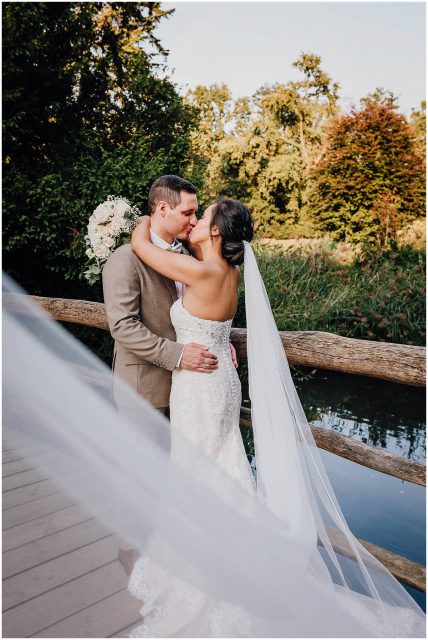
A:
{"points": [[418, 123], [86, 113], [370, 181], [213, 106], [276, 137]]}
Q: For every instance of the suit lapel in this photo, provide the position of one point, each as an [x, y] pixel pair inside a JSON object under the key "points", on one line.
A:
{"points": [[170, 284], [171, 287]]}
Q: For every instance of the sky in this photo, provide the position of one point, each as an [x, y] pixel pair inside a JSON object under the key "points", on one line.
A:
{"points": [[247, 44]]}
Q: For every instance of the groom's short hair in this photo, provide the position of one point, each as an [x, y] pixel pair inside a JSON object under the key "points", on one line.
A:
{"points": [[167, 188]]}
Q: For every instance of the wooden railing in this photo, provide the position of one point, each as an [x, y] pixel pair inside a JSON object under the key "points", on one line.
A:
{"points": [[397, 363], [393, 362]]}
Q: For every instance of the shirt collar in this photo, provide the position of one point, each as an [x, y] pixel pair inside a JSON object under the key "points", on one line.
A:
{"points": [[160, 242]]}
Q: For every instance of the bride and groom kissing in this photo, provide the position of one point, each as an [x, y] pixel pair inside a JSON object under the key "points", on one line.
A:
{"points": [[140, 288], [170, 298]]}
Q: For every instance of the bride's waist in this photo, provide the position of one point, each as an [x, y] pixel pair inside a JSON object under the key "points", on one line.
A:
{"points": [[222, 351], [218, 347]]}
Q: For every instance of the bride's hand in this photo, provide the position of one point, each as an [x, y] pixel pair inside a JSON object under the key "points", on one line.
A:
{"points": [[142, 230]]}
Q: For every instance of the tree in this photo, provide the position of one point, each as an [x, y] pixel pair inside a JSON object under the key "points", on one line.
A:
{"points": [[418, 123], [213, 106], [371, 165], [274, 140], [86, 113]]}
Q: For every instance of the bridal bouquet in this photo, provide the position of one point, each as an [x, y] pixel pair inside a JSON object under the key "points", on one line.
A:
{"points": [[110, 226]]}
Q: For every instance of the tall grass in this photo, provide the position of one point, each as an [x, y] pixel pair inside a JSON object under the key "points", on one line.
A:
{"points": [[380, 296]]}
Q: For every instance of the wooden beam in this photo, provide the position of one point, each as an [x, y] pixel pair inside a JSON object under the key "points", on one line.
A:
{"points": [[91, 314], [404, 570], [361, 453], [384, 360], [407, 571]]}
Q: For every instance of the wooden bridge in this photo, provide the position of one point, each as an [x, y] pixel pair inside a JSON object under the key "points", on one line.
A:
{"points": [[61, 576], [53, 550]]}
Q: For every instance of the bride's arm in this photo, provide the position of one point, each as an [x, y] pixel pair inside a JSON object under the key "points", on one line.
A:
{"points": [[176, 266]]}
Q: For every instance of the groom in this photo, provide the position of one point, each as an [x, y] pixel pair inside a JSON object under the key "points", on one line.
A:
{"points": [[138, 300]]}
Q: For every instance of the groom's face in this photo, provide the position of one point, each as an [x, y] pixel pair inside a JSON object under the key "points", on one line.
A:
{"points": [[180, 221]]}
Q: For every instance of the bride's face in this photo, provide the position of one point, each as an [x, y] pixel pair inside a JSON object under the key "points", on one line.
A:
{"points": [[202, 231]]}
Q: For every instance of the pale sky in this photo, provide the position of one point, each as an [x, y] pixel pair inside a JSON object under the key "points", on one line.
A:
{"points": [[248, 44]]}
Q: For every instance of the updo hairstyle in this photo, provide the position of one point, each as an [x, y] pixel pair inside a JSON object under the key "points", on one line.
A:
{"points": [[234, 223]]}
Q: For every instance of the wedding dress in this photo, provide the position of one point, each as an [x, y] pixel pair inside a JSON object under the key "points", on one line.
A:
{"points": [[205, 409]]}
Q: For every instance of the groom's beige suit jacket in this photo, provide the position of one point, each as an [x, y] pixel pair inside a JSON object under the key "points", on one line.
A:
{"points": [[137, 303]]}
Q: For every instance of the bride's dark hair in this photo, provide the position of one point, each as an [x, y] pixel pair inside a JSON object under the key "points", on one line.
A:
{"points": [[234, 223]]}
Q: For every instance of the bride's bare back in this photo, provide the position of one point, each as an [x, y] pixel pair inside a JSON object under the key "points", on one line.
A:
{"points": [[216, 296]]}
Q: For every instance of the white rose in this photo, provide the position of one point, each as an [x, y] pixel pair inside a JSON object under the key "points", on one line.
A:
{"points": [[120, 208], [116, 227], [90, 253], [102, 232], [108, 241], [102, 213], [101, 251], [92, 226], [95, 239]]}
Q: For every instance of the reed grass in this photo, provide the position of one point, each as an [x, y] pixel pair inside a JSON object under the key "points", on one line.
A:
{"points": [[378, 296]]}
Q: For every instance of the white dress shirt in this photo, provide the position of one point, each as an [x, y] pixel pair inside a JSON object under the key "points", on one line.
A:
{"points": [[163, 244]]}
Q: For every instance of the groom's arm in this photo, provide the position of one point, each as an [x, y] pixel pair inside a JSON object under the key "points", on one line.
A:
{"points": [[122, 295]]}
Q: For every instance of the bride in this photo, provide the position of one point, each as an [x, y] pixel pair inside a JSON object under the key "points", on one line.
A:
{"points": [[205, 408], [291, 479]]}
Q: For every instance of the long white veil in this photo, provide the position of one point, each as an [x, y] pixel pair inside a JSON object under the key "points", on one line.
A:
{"points": [[291, 478], [273, 558]]}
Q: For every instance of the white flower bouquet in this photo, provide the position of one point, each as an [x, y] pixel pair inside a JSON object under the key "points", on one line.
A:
{"points": [[110, 226]]}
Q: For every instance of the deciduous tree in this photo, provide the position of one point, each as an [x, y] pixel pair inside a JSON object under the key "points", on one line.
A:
{"points": [[372, 162]]}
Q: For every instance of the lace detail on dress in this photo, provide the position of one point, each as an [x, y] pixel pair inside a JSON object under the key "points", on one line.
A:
{"points": [[205, 407]]}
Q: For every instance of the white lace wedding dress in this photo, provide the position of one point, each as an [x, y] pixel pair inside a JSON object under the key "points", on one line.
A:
{"points": [[205, 407]]}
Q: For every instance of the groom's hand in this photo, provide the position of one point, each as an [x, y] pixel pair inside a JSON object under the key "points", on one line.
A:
{"points": [[233, 355], [196, 357]]}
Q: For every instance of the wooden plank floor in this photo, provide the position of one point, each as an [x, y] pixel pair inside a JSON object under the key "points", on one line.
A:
{"points": [[61, 576]]}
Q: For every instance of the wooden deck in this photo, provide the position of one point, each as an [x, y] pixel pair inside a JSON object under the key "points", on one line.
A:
{"points": [[61, 576]]}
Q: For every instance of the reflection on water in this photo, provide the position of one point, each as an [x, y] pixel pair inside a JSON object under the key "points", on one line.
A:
{"points": [[397, 440], [378, 507], [383, 414]]}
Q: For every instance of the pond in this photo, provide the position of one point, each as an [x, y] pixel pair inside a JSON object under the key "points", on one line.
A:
{"points": [[379, 508]]}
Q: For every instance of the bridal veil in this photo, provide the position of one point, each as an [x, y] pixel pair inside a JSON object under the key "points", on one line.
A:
{"points": [[287, 558]]}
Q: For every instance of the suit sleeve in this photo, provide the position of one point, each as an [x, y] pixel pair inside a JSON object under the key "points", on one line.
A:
{"points": [[122, 297]]}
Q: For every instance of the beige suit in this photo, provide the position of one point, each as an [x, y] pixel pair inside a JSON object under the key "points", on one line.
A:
{"points": [[137, 301]]}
